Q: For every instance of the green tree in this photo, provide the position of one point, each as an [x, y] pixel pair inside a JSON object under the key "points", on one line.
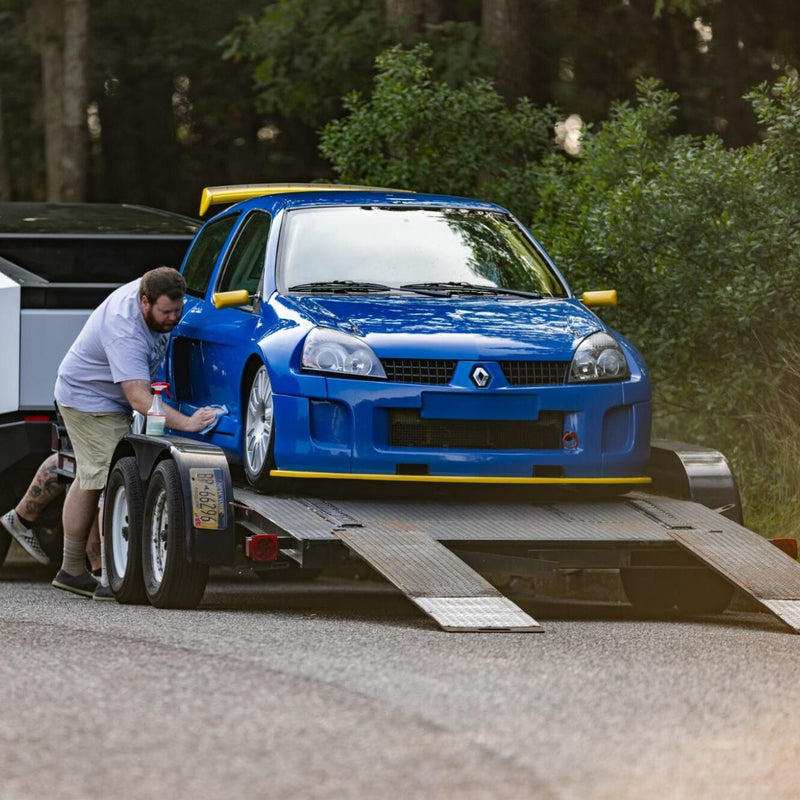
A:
{"points": [[417, 132]]}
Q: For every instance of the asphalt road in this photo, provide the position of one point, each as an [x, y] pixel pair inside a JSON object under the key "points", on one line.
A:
{"points": [[341, 689]]}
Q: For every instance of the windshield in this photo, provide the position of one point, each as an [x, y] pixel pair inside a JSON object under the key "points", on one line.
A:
{"points": [[448, 248]]}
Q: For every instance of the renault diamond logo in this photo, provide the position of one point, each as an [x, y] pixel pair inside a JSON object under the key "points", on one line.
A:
{"points": [[480, 377]]}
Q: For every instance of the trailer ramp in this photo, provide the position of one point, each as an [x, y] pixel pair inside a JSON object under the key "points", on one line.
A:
{"points": [[437, 581], [410, 543], [742, 557]]}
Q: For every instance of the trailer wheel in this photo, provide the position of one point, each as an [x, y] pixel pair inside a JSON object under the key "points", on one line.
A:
{"points": [[692, 591], [258, 434], [122, 532], [703, 592], [170, 581], [651, 590]]}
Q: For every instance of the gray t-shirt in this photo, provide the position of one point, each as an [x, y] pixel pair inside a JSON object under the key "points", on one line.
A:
{"points": [[115, 345]]}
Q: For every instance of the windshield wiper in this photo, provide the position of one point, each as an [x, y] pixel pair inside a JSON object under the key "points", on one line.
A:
{"points": [[360, 286], [339, 286], [462, 287]]}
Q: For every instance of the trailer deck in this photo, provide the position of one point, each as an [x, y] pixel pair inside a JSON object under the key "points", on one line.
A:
{"points": [[680, 546], [424, 547]]}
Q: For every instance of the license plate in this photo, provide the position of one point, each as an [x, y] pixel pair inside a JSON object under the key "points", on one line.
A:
{"points": [[208, 499]]}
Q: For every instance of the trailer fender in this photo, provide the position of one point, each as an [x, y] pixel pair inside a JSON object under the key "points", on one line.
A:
{"points": [[207, 491], [691, 472]]}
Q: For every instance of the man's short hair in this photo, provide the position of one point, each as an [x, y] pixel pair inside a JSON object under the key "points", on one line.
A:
{"points": [[162, 281]]}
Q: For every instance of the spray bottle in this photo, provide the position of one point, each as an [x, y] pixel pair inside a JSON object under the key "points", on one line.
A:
{"points": [[155, 415]]}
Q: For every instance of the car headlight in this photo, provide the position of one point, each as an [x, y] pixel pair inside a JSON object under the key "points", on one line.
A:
{"points": [[598, 358], [329, 350]]}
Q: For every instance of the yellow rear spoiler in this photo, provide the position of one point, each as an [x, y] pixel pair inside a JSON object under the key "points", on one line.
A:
{"points": [[214, 195]]}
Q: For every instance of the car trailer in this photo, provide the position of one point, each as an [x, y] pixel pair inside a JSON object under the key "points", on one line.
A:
{"points": [[171, 511]]}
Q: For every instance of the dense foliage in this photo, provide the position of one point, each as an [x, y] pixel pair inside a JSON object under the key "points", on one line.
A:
{"points": [[699, 239]]}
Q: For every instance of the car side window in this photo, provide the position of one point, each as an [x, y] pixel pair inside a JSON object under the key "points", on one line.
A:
{"points": [[246, 259], [204, 254]]}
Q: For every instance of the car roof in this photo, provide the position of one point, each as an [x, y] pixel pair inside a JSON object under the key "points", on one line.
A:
{"points": [[92, 219]]}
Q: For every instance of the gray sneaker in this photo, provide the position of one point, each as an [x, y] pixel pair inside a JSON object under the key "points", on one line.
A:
{"points": [[103, 593], [84, 585], [25, 536]]}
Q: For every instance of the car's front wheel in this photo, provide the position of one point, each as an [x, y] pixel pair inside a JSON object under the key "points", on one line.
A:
{"points": [[259, 430]]}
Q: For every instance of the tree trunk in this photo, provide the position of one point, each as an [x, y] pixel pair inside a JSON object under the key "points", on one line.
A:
{"points": [[61, 32], [508, 29], [413, 14], [75, 141], [47, 23]]}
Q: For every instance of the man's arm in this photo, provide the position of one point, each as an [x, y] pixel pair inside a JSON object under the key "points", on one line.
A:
{"points": [[140, 398]]}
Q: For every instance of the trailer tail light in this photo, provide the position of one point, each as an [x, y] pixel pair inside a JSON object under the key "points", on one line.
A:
{"points": [[261, 547], [789, 546]]}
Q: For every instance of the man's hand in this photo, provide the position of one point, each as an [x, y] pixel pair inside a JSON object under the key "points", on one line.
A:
{"points": [[202, 417], [140, 398]]}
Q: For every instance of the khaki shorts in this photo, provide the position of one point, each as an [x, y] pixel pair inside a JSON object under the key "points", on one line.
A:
{"points": [[94, 436]]}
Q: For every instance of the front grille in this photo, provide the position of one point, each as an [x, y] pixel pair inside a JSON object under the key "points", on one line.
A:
{"points": [[418, 370], [407, 429], [535, 373]]}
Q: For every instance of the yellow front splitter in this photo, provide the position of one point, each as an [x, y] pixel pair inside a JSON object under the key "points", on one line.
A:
{"points": [[349, 476]]}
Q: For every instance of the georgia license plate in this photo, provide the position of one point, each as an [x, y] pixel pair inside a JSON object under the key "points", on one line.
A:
{"points": [[208, 498]]}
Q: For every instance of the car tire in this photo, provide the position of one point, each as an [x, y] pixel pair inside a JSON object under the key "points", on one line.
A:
{"points": [[122, 532], [259, 419], [170, 581]]}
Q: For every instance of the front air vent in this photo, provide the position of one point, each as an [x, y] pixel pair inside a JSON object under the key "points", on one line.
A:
{"points": [[419, 370], [535, 373], [407, 429]]}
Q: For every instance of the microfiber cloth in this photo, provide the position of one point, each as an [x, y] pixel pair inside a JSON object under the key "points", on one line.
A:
{"points": [[221, 411]]}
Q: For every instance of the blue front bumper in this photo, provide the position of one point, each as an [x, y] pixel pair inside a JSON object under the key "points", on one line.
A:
{"points": [[603, 430]]}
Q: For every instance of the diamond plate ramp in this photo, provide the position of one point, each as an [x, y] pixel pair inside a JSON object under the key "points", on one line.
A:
{"points": [[750, 562], [437, 581]]}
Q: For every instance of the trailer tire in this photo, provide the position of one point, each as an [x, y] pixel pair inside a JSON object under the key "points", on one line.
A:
{"points": [[650, 590], [692, 591], [703, 592], [170, 580], [122, 532]]}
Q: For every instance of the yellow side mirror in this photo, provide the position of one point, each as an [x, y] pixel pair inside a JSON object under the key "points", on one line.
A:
{"points": [[606, 298], [238, 297]]}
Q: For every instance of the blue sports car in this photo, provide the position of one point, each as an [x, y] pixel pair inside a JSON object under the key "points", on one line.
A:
{"points": [[379, 334]]}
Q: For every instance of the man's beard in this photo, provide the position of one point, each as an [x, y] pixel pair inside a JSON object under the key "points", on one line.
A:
{"points": [[156, 327]]}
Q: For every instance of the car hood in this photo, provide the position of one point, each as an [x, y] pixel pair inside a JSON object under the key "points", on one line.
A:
{"points": [[458, 327]]}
